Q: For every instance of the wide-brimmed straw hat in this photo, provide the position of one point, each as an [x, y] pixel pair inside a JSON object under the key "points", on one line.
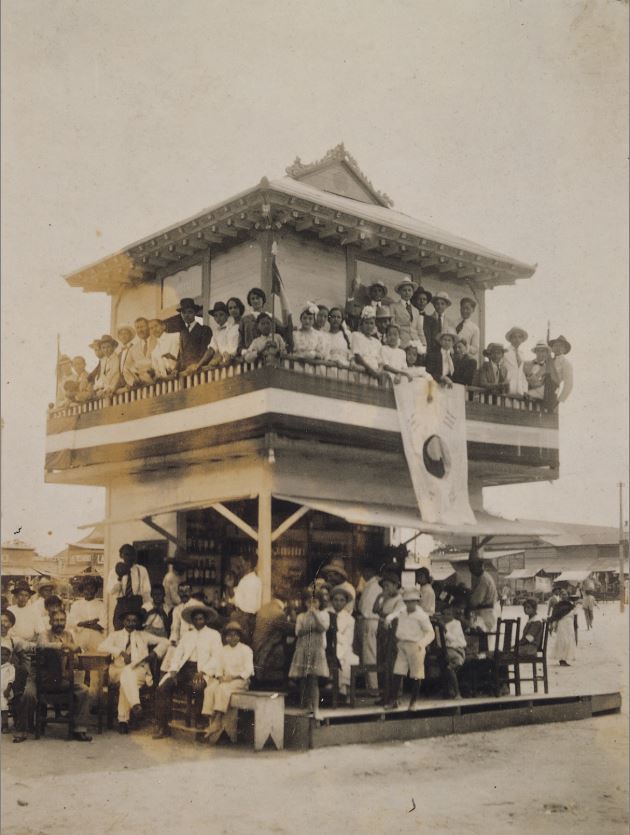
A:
{"points": [[406, 282], [189, 611], [515, 330], [491, 347], [452, 334], [562, 339], [108, 338]]}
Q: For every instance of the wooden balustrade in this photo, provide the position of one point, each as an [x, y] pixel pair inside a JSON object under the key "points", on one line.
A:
{"points": [[327, 370]]}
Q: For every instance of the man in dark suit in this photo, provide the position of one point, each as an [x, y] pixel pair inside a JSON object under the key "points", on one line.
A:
{"points": [[440, 360], [465, 365], [194, 338]]}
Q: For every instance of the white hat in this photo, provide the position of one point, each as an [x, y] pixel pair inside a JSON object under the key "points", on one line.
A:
{"points": [[442, 294], [368, 312]]}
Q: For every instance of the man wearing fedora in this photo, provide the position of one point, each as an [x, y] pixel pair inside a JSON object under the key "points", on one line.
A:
{"points": [[407, 317], [194, 337], [373, 295], [420, 299], [563, 370], [466, 328], [224, 343], [537, 370], [441, 301], [192, 664], [492, 375], [132, 650], [514, 361], [109, 378]]}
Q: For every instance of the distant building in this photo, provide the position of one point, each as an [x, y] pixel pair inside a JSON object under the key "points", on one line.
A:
{"points": [[82, 557], [20, 560]]}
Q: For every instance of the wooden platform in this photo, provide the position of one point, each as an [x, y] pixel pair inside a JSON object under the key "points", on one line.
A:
{"points": [[368, 723]]}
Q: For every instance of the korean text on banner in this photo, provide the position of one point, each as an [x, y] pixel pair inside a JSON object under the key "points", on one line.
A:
{"points": [[433, 428]]}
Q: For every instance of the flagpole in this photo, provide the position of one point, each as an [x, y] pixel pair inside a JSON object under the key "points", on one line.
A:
{"points": [[57, 366], [274, 267]]}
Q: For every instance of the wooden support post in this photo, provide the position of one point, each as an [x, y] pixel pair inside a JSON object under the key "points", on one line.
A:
{"points": [[148, 520], [289, 522], [264, 542]]}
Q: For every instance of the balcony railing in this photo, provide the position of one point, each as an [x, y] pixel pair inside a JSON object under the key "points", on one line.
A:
{"points": [[321, 369]]}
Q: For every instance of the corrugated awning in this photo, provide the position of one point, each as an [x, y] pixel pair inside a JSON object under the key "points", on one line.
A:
{"points": [[572, 576], [441, 570]]}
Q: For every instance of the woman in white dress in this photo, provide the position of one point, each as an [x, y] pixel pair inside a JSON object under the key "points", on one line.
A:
{"points": [[307, 342], [336, 342], [561, 621]]}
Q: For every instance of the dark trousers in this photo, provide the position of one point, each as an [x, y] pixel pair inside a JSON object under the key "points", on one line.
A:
{"points": [[164, 694]]}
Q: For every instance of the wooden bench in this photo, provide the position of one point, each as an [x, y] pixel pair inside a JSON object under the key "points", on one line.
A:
{"points": [[268, 711]]}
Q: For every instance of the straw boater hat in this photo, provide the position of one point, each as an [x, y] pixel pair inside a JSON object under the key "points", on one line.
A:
{"points": [[562, 339], [368, 312], [515, 330], [411, 594], [444, 296], [452, 334], [335, 565], [392, 576], [210, 613], [108, 338], [406, 282], [383, 312], [491, 346], [232, 626], [189, 304], [541, 345], [342, 590]]}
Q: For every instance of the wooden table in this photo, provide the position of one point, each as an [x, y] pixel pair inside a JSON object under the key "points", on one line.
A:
{"points": [[96, 663]]}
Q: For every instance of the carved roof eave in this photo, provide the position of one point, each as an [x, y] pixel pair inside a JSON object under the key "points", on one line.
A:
{"points": [[339, 154], [269, 206]]}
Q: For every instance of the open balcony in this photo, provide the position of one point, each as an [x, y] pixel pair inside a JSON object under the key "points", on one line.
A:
{"points": [[509, 439]]}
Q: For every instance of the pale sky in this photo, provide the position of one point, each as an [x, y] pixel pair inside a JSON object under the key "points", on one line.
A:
{"points": [[504, 122]]}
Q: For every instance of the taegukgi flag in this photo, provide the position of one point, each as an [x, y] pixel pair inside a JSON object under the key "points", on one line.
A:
{"points": [[433, 428]]}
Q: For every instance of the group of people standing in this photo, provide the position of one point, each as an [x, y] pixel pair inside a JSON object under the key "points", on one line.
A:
{"points": [[391, 339]]}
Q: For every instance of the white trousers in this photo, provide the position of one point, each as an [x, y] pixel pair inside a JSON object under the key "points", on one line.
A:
{"points": [[368, 648], [217, 694], [130, 680]]}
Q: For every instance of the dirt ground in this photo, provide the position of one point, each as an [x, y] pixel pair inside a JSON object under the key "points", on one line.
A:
{"points": [[566, 777]]}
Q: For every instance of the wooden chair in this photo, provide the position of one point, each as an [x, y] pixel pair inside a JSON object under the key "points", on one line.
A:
{"points": [[505, 661], [537, 662], [54, 683]]}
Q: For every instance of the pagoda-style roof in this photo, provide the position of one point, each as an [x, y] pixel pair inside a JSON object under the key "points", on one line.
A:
{"points": [[330, 200]]}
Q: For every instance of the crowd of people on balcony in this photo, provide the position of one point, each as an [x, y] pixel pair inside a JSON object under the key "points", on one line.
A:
{"points": [[386, 339]]}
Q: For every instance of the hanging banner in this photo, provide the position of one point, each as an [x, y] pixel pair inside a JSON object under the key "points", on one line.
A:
{"points": [[433, 428]]}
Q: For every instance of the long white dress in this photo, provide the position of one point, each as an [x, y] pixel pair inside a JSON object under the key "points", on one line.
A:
{"points": [[564, 647]]}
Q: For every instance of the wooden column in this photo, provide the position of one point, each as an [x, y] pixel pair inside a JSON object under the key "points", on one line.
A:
{"points": [[264, 540]]}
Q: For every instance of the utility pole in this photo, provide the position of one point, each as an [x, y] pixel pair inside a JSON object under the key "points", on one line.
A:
{"points": [[622, 548]]}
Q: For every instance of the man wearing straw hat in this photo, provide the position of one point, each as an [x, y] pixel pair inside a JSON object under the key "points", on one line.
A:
{"points": [[109, 378], [537, 370], [492, 375], [406, 316], [441, 301], [513, 361], [563, 370]]}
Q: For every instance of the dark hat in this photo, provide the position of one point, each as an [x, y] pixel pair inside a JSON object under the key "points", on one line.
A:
{"points": [[562, 339], [392, 576], [188, 611], [22, 585], [469, 300], [491, 347], [219, 307], [129, 607], [422, 290], [189, 304], [259, 292], [10, 615], [108, 338]]}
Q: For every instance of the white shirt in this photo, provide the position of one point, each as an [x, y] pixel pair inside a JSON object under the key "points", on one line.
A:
{"points": [[168, 343], [140, 583], [335, 347], [565, 373], [345, 634], [447, 362], [427, 598], [514, 364], [248, 593], [370, 592], [27, 622], [225, 339], [469, 331], [237, 662], [394, 357], [200, 646], [412, 626], [137, 643], [171, 583], [82, 610], [367, 347], [454, 635], [178, 625], [308, 344]]}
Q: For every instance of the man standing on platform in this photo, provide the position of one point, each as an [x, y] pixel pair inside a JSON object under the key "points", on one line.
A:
{"points": [[129, 583], [483, 597], [368, 622], [247, 596]]}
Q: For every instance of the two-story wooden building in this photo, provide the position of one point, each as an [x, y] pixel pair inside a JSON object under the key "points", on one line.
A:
{"points": [[298, 462]]}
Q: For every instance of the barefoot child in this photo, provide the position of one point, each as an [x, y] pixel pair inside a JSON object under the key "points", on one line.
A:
{"points": [[309, 659]]}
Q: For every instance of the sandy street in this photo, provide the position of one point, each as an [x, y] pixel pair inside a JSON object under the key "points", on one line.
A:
{"points": [[567, 777]]}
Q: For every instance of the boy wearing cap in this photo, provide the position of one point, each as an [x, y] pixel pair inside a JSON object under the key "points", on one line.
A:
{"points": [[234, 667], [414, 633], [131, 649], [492, 375], [514, 361], [406, 316], [192, 664], [466, 328]]}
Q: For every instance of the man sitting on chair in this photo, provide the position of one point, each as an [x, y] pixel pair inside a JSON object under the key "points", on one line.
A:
{"points": [[131, 649], [60, 639], [193, 661]]}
